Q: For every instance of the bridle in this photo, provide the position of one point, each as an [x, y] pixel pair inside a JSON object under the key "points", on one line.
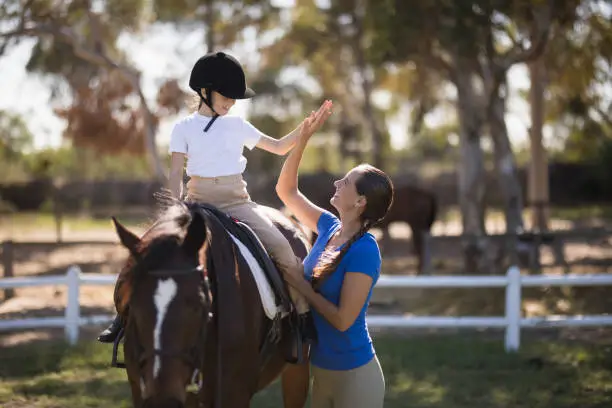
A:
{"points": [[193, 358]]}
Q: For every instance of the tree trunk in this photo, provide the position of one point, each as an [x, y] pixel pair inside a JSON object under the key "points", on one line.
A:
{"points": [[505, 165], [366, 86], [538, 166], [471, 171], [210, 24], [368, 111], [155, 161]]}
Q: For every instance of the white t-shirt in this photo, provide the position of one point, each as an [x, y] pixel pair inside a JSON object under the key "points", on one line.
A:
{"points": [[217, 152]]}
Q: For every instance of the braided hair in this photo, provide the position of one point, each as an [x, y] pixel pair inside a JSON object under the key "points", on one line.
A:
{"points": [[377, 188]]}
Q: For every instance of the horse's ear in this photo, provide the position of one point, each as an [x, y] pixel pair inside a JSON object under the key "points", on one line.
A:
{"points": [[128, 239], [196, 234]]}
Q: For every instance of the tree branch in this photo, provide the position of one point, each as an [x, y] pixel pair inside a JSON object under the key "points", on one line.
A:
{"points": [[605, 117], [99, 58], [67, 35], [495, 68], [516, 43], [540, 29]]}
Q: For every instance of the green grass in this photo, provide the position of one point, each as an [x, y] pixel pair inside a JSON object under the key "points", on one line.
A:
{"points": [[444, 371]]}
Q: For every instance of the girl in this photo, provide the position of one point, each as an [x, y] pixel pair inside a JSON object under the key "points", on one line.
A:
{"points": [[341, 270], [215, 162]]}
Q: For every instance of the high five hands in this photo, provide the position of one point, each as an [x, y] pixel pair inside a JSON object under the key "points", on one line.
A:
{"points": [[315, 120]]}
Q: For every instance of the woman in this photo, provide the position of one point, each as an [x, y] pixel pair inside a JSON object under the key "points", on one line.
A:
{"points": [[340, 272]]}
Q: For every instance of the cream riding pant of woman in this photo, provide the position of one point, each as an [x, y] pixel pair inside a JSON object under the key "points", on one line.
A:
{"points": [[361, 387]]}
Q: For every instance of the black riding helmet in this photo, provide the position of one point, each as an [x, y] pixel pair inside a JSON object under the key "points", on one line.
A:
{"points": [[218, 71]]}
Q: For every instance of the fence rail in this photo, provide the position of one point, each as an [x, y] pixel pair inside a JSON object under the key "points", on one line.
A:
{"points": [[512, 321]]}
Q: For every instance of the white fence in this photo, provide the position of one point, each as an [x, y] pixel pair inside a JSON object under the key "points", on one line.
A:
{"points": [[512, 321], [72, 319]]}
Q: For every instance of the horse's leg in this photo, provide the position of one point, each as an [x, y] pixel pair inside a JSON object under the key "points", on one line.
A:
{"points": [[239, 377], [130, 359], [296, 383], [273, 368], [136, 391], [417, 243]]}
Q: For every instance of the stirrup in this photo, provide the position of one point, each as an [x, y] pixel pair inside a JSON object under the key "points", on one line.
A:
{"points": [[114, 362]]}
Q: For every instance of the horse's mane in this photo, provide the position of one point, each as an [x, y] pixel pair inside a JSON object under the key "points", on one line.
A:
{"points": [[162, 238]]}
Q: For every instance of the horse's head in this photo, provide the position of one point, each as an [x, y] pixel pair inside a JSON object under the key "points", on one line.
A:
{"points": [[169, 305]]}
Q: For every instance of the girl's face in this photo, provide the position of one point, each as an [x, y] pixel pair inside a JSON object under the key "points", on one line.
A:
{"points": [[221, 104]]}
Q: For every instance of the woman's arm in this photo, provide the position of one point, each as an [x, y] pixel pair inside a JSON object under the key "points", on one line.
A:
{"points": [[287, 186], [355, 289], [175, 179]]}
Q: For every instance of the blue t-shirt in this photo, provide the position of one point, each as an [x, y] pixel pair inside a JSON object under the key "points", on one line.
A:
{"points": [[336, 350]]}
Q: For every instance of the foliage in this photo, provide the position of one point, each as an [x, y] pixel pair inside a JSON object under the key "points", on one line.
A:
{"points": [[15, 137], [579, 72], [349, 50]]}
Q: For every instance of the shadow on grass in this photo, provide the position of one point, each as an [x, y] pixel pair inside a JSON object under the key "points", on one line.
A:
{"points": [[460, 371], [41, 357], [463, 370]]}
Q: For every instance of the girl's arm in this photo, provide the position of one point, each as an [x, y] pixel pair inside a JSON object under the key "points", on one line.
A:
{"points": [[280, 146], [175, 179], [287, 186]]}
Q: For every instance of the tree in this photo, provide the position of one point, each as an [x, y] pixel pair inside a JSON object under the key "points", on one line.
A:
{"points": [[330, 44], [77, 42], [526, 25], [461, 41], [15, 137], [225, 20], [577, 73]]}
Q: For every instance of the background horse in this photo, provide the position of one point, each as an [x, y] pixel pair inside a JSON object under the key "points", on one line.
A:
{"points": [[193, 313]]}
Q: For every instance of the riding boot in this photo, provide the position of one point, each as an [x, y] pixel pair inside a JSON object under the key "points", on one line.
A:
{"points": [[111, 332]]}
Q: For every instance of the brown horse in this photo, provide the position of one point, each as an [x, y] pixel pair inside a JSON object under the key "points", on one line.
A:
{"points": [[193, 314]]}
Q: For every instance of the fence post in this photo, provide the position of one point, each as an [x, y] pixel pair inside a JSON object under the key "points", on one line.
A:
{"points": [[73, 307], [513, 309], [7, 265]]}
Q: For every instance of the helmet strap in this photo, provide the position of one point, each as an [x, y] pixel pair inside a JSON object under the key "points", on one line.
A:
{"points": [[208, 102]]}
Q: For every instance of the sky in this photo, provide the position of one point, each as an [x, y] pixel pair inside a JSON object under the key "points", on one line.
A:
{"points": [[161, 53]]}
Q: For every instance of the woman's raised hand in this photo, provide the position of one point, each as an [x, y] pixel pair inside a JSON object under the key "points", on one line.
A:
{"points": [[315, 120]]}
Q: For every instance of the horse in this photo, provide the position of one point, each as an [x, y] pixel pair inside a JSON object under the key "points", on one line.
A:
{"points": [[196, 333]]}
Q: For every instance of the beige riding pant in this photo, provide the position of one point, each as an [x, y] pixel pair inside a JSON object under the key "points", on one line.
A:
{"points": [[229, 194], [361, 387]]}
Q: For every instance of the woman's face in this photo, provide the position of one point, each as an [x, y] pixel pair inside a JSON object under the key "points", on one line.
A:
{"points": [[347, 198]]}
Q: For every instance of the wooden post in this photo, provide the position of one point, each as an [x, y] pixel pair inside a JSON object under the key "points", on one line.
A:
{"points": [[57, 213], [7, 263], [538, 188]]}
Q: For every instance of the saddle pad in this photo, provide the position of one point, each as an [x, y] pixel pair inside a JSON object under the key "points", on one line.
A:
{"points": [[268, 299]]}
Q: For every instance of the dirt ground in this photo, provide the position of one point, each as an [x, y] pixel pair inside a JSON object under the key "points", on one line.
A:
{"points": [[107, 258]]}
